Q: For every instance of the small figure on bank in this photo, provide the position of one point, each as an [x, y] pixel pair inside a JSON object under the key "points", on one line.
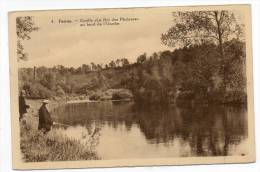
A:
{"points": [[45, 120], [22, 105]]}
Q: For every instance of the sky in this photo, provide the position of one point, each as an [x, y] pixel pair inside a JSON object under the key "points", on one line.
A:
{"points": [[72, 45], [60, 42]]}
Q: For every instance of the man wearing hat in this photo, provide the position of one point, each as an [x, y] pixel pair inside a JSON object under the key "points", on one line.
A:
{"points": [[22, 104], [45, 120]]}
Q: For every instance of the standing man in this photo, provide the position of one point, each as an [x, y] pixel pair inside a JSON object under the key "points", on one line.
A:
{"points": [[22, 105], [45, 120]]}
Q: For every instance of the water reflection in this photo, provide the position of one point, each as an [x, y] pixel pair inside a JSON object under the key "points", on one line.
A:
{"points": [[129, 131]]}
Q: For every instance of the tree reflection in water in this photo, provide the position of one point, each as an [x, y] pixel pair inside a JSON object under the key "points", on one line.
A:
{"points": [[208, 130]]}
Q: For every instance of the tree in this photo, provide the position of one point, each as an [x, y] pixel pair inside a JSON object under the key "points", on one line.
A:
{"points": [[93, 66], [24, 27], [85, 68], [72, 70], [48, 81], [112, 64], [78, 70], [124, 62], [141, 59], [61, 69], [118, 61], [99, 67], [166, 55], [198, 27], [154, 57]]}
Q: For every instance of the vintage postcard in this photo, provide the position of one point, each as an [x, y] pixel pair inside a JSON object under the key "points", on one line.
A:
{"points": [[131, 87]]}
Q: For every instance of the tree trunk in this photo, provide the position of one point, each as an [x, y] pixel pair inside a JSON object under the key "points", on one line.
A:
{"points": [[221, 49], [34, 73]]}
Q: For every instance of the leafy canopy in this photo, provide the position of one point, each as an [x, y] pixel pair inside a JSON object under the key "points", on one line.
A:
{"points": [[24, 27], [198, 27]]}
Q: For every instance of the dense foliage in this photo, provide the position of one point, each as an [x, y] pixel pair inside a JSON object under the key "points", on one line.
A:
{"points": [[193, 72]]}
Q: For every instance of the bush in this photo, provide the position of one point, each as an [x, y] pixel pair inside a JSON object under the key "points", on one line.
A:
{"points": [[36, 90], [60, 92], [116, 96], [94, 97], [120, 94]]}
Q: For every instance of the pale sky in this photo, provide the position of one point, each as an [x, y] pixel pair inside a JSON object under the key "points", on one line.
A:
{"points": [[72, 45]]}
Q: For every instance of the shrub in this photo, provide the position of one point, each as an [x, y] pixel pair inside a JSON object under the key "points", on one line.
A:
{"points": [[94, 97], [36, 90], [60, 92], [116, 96]]}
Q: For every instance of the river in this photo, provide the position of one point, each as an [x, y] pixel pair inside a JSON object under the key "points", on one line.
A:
{"points": [[128, 131]]}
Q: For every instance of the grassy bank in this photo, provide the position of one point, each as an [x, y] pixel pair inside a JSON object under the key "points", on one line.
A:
{"points": [[53, 146]]}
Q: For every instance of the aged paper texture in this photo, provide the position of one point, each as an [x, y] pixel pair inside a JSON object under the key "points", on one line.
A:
{"points": [[131, 87]]}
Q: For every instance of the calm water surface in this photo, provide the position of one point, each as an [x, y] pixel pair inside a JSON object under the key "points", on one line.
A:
{"points": [[127, 131]]}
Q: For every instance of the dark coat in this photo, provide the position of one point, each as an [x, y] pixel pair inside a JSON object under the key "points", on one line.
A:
{"points": [[45, 120], [22, 106]]}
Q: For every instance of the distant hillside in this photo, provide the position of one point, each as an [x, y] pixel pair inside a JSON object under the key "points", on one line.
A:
{"points": [[192, 73]]}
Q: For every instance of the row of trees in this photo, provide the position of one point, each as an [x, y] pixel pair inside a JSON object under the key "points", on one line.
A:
{"points": [[86, 68], [118, 63], [60, 80], [192, 72]]}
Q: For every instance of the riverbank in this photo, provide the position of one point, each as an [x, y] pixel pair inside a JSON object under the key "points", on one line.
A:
{"points": [[53, 146]]}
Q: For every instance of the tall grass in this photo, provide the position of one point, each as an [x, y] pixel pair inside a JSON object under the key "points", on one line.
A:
{"points": [[53, 146]]}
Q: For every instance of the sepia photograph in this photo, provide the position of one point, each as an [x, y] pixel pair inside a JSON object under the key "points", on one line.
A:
{"points": [[131, 87]]}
